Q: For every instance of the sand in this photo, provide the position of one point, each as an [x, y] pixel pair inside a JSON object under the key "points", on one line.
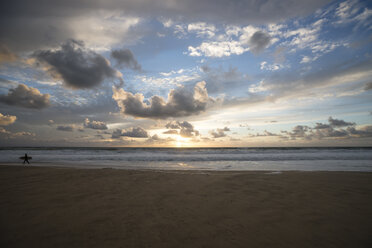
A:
{"points": [[62, 207]]}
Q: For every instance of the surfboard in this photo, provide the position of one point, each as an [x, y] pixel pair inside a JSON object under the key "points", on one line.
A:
{"points": [[23, 157]]}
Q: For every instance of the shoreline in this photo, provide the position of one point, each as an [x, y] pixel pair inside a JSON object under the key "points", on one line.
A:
{"points": [[65, 207], [118, 166]]}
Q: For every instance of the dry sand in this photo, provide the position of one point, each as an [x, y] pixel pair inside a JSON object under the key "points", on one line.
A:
{"points": [[61, 207]]}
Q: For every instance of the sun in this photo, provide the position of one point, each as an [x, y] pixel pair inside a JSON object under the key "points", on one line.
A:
{"points": [[182, 142]]}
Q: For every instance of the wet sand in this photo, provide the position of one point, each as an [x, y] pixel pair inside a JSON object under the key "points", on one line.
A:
{"points": [[62, 207]]}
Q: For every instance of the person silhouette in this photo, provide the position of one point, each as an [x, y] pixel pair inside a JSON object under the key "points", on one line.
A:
{"points": [[26, 159]]}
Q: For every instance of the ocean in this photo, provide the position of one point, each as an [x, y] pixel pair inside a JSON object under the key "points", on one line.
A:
{"points": [[224, 159]]}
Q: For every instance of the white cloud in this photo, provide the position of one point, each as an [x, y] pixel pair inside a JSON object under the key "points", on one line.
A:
{"points": [[179, 30], [259, 87], [307, 59], [166, 22], [353, 11], [346, 9], [233, 31], [170, 79], [308, 38], [364, 15], [218, 49], [202, 29], [270, 67], [235, 41]]}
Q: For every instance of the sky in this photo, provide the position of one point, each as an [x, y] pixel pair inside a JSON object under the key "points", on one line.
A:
{"points": [[173, 73]]}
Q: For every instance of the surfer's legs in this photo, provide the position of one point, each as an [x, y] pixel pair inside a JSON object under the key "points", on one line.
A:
{"points": [[27, 161]]}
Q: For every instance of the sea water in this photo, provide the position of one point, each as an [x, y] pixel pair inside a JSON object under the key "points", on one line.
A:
{"points": [[230, 159]]}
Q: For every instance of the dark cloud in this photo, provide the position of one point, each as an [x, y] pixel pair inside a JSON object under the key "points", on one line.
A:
{"points": [[171, 131], [78, 67], [328, 131], [181, 102], [134, 132], [205, 68], [186, 129], [99, 136], [363, 132], [368, 86], [6, 55], [7, 119], [68, 128], [155, 139], [27, 97], [11, 135], [34, 23], [259, 41], [220, 132], [265, 134], [339, 123], [95, 124], [126, 58], [321, 126], [298, 131]]}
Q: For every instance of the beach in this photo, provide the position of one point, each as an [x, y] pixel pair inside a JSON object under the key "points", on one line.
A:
{"points": [[67, 207]]}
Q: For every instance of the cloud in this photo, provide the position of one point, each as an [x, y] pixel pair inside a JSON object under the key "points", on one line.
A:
{"points": [[6, 55], [125, 57], [218, 49], [186, 129], [171, 131], [293, 84], [39, 24], [220, 132], [68, 128], [321, 126], [353, 11], [78, 67], [238, 11], [339, 123], [270, 67], [298, 131], [9, 135], [259, 41], [181, 102], [368, 86], [247, 38], [44, 25], [155, 139], [363, 132], [202, 29], [95, 124], [7, 119], [332, 130], [134, 132], [27, 97], [265, 134]]}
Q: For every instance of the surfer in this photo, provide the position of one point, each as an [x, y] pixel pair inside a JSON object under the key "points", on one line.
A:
{"points": [[26, 158]]}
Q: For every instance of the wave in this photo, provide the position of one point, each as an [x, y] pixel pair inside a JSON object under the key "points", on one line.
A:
{"points": [[185, 155]]}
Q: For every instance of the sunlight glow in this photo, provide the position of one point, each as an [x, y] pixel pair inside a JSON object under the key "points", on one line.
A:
{"points": [[182, 142]]}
